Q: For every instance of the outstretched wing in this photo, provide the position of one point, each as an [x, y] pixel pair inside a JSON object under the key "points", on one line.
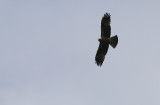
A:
{"points": [[101, 52], [105, 32], [105, 25]]}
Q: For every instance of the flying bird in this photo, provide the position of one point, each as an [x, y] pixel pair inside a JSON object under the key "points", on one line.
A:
{"points": [[105, 39]]}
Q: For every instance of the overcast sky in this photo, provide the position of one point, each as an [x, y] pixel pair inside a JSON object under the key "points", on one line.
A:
{"points": [[48, 47]]}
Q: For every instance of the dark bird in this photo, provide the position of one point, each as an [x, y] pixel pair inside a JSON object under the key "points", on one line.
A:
{"points": [[105, 39]]}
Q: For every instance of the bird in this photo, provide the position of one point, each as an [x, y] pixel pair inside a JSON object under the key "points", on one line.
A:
{"points": [[105, 40]]}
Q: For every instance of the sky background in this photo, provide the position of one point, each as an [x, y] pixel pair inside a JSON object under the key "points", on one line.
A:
{"points": [[48, 48]]}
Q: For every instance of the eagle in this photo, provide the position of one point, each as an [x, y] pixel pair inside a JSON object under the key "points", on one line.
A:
{"points": [[105, 39]]}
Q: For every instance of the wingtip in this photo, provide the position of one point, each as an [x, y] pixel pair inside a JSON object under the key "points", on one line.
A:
{"points": [[99, 59], [99, 64], [107, 14]]}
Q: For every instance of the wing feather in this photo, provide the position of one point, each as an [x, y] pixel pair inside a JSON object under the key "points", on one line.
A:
{"points": [[105, 25], [101, 52]]}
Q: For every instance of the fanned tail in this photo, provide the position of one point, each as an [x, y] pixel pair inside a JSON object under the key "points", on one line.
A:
{"points": [[113, 41]]}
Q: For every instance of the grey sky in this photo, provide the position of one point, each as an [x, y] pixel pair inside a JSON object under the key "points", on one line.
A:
{"points": [[48, 49]]}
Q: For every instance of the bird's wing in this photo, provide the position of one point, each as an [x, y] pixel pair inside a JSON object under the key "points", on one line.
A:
{"points": [[101, 52], [105, 25]]}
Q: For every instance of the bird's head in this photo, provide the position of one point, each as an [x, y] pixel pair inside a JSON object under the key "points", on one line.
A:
{"points": [[100, 39]]}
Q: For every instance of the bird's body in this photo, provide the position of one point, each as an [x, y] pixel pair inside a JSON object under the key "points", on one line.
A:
{"points": [[105, 39]]}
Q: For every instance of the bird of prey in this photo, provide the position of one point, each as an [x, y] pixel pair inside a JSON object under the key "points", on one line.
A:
{"points": [[105, 39]]}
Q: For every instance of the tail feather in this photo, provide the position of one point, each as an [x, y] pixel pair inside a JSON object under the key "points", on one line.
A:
{"points": [[113, 41]]}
